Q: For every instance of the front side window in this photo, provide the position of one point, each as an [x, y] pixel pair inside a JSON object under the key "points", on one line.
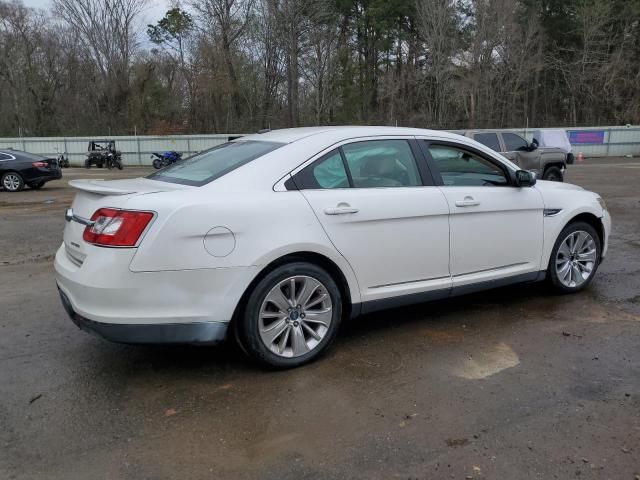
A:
{"points": [[514, 143], [488, 140], [458, 167], [206, 166], [381, 163]]}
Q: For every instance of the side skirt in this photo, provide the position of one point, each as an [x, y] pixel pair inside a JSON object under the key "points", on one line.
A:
{"points": [[421, 297]]}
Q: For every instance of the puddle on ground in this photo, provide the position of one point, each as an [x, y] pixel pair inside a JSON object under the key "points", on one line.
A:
{"points": [[486, 362]]}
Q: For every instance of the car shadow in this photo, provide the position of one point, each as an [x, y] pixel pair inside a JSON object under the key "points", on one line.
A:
{"points": [[227, 357]]}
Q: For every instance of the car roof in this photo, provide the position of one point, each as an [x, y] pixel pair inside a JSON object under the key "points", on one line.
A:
{"points": [[340, 132], [488, 130], [19, 154]]}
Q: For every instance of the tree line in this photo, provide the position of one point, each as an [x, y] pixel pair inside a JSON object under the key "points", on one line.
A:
{"points": [[91, 67]]}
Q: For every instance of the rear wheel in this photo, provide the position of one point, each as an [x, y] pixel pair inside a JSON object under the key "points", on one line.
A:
{"points": [[12, 182], [575, 258], [157, 164], [553, 174], [291, 316]]}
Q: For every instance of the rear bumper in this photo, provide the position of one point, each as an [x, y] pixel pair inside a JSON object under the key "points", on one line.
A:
{"points": [[163, 333], [36, 175], [103, 296]]}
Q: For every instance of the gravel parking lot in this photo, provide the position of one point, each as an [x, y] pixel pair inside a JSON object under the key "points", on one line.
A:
{"points": [[514, 383]]}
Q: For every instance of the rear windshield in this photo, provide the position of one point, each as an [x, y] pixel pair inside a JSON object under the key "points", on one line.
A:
{"points": [[204, 167], [20, 155]]}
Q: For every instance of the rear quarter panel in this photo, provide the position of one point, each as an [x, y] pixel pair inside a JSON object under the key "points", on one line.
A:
{"points": [[262, 226]]}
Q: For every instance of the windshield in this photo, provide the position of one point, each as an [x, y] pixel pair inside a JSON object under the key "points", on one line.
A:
{"points": [[204, 167]]}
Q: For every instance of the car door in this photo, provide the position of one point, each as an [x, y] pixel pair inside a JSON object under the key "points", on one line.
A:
{"points": [[496, 228], [517, 150], [379, 207]]}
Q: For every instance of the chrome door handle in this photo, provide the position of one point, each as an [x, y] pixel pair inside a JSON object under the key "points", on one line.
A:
{"points": [[340, 209], [467, 202]]}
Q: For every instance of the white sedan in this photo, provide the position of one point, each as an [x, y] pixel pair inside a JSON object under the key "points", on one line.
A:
{"points": [[275, 238]]}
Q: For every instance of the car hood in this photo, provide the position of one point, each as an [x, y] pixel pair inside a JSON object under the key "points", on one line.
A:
{"points": [[545, 185]]}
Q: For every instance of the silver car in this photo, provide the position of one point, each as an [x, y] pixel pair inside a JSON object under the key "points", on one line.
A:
{"points": [[548, 163]]}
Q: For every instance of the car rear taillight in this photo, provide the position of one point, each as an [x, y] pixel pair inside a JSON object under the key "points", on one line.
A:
{"points": [[116, 228], [39, 164]]}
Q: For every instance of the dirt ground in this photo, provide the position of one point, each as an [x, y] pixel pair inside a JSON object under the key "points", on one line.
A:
{"points": [[515, 383]]}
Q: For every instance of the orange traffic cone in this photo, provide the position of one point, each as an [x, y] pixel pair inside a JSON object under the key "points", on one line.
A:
{"points": [[580, 158]]}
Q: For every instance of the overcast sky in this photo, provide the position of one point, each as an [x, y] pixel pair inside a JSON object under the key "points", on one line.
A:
{"points": [[155, 11]]}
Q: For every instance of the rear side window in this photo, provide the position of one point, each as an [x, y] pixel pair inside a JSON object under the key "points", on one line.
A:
{"points": [[4, 156], [325, 173], [382, 163], [489, 140], [367, 164], [514, 143], [206, 166], [330, 172]]}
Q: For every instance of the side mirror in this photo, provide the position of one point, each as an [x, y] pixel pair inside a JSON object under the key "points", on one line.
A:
{"points": [[533, 145], [525, 178]]}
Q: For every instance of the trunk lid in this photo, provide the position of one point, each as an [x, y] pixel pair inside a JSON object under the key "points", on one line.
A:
{"points": [[95, 194]]}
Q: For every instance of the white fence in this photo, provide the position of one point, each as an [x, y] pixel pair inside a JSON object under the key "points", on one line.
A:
{"points": [[136, 150]]}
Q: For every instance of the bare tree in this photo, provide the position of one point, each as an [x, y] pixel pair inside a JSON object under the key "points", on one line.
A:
{"points": [[225, 21], [437, 27], [106, 30]]}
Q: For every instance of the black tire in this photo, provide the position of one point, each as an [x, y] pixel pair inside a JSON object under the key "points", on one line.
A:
{"points": [[100, 164], [553, 174], [14, 179], [570, 158], [87, 164], [37, 185], [119, 165], [157, 164], [552, 274], [247, 323]]}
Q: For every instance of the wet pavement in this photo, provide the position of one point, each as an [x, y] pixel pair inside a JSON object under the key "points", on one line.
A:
{"points": [[514, 383]]}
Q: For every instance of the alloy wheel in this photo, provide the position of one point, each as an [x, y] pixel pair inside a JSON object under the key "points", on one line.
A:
{"points": [[576, 259], [11, 182], [295, 316]]}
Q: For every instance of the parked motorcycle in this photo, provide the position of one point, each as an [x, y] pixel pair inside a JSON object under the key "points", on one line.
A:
{"points": [[113, 160], [63, 162], [165, 158]]}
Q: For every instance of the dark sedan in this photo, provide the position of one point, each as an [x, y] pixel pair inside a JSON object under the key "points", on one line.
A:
{"points": [[18, 169]]}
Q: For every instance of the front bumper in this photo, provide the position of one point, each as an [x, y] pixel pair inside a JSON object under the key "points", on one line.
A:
{"points": [[606, 224], [162, 333]]}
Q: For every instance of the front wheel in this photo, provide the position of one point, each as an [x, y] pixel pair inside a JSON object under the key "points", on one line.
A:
{"points": [[157, 164], [291, 316], [575, 258]]}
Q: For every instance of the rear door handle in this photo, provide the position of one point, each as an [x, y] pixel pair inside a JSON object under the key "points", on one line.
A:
{"points": [[467, 202], [340, 209]]}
